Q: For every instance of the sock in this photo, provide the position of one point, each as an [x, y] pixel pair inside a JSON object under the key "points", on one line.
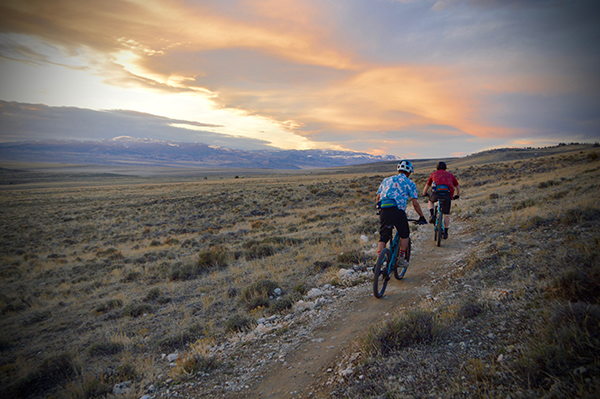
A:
{"points": [[402, 254], [431, 212]]}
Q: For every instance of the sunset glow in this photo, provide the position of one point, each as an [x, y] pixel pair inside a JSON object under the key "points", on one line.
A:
{"points": [[407, 78]]}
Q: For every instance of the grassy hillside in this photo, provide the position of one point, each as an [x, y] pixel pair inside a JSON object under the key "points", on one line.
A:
{"points": [[99, 282]]}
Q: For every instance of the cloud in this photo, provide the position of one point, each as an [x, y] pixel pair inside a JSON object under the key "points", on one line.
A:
{"points": [[23, 122], [331, 74]]}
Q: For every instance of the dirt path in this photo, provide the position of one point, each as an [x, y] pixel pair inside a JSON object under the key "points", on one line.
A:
{"points": [[309, 365]]}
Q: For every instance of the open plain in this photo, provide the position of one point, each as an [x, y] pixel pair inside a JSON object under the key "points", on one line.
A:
{"points": [[259, 285]]}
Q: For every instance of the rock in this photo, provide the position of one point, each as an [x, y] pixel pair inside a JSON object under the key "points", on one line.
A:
{"points": [[172, 357], [314, 293], [345, 273], [364, 238], [277, 291], [301, 306], [122, 388]]}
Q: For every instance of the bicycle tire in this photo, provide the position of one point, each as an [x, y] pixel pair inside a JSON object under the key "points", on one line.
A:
{"points": [[380, 273], [439, 229], [399, 272], [435, 221]]}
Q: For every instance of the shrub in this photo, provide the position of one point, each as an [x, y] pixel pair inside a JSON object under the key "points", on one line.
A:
{"points": [[197, 363], [321, 265], [576, 216], [105, 348], [352, 257], [415, 328], [215, 257], [524, 204], [283, 303], [239, 323], [109, 305], [137, 310], [259, 251], [152, 295], [566, 340], [52, 372]]}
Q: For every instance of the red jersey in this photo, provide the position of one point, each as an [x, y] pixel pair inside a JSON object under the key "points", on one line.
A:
{"points": [[443, 177]]}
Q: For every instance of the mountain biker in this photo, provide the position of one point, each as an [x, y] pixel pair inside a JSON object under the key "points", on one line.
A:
{"points": [[443, 185], [392, 198]]}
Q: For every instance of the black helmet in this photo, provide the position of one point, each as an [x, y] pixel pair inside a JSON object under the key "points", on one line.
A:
{"points": [[441, 165]]}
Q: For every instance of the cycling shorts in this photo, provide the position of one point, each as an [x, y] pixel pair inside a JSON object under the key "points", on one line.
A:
{"points": [[435, 196], [392, 217]]}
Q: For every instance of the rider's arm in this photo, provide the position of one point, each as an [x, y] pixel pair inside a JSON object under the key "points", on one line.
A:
{"points": [[417, 207], [457, 190], [427, 187]]}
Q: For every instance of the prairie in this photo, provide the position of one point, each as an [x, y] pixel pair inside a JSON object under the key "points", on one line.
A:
{"points": [[103, 275]]}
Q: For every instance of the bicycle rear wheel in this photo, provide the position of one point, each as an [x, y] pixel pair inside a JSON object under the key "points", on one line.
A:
{"points": [[439, 228], [400, 271], [380, 273]]}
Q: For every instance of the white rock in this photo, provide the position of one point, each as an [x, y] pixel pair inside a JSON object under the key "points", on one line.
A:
{"points": [[346, 372], [278, 291], [345, 273], [172, 357], [122, 388], [364, 238], [314, 292]]}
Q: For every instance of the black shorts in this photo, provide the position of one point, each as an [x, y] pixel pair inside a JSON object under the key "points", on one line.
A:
{"points": [[395, 217], [434, 197]]}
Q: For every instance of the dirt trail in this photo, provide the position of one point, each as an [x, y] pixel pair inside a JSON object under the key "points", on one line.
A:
{"points": [[307, 366]]}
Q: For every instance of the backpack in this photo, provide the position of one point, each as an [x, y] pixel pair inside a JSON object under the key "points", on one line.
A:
{"points": [[442, 189]]}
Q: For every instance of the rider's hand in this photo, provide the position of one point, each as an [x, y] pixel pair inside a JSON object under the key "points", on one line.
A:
{"points": [[422, 220], [456, 197]]}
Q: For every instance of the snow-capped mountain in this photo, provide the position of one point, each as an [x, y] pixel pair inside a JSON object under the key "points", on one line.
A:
{"points": [[125, 150]]}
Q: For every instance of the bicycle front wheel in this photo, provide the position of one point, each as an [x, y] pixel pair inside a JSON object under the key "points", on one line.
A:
{"points": [[380, 273], [400, 271]]}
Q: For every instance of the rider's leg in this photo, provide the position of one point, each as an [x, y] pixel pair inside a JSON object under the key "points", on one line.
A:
{"points": [[403, 244], [431, 206], [380, 247], [446, 221]]}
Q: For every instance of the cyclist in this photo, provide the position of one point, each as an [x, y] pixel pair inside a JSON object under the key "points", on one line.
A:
{"points": [[392, 197], [443, 185]]}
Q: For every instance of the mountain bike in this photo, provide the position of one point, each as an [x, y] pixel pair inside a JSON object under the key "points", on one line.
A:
{"points": [[438, 227], [387, 263]]}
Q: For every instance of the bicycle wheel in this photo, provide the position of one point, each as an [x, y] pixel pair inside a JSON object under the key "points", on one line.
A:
{"points": [[435, 226], [439, 228], [380, 273], [400, 271]]}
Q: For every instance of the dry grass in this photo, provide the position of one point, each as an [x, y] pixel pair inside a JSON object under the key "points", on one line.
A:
{"points": [[116, 273], [531, 309], [99, 282]]}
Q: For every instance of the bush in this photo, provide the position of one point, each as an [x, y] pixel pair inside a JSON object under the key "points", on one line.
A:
{"points": [[105, 348], [415, 328], [566, 340], [212, 259], [109, 305], [352, 257], [239, 323], [52, 372], [137, 310]]}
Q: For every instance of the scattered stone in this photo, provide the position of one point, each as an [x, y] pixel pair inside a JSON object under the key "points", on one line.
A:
{"points": [[122, 388]]}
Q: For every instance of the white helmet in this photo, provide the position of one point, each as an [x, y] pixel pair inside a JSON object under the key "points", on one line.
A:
{"points": [[405, 166]]}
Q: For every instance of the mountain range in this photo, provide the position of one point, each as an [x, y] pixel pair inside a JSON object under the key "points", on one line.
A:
{"points": [[125, 150]]}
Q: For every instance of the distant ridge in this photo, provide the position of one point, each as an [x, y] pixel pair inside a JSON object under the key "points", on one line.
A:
{"points": [[130, 151]]}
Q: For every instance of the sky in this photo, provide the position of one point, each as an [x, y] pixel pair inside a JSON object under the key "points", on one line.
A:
{"points": [[410, 78]]}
